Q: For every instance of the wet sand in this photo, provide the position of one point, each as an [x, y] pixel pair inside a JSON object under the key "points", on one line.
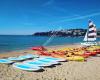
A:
{"points": [[89, 70]]}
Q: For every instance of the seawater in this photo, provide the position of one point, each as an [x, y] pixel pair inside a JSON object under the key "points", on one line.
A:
{"points": [[20, 42]]}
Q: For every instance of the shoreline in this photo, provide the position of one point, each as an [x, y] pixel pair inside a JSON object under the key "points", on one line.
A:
{"points": [[70, 70], [29, 51], [25, 51], [52, 46]]}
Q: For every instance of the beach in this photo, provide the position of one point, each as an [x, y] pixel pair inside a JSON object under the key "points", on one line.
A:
{"points": [[50, 40], [71, 70]]}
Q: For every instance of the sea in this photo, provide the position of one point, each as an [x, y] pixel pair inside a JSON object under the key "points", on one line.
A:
{"points": [[10, 43]]}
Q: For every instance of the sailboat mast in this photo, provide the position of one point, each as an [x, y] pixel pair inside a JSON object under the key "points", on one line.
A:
{"points": [[87, 32]]}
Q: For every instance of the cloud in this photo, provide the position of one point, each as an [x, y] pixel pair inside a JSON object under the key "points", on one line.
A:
{"points": [[49, 2], [72, 19], [80, 17], [41, 13], [69, 17], [59, 9]]}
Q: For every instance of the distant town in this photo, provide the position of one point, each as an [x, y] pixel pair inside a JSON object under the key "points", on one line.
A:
{"points": [[65, 33]]}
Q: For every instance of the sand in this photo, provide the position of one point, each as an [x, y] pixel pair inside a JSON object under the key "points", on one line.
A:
{"points": [[71, 70]]}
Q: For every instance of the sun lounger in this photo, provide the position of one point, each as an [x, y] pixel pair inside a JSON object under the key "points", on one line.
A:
{"points": [[5, 61], [26, 67]]}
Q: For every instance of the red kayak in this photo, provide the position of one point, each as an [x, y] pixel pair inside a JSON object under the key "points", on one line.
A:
{"points": [[43, 53], [38, 48], [90, 53], [93, 53], [85, 55], [97, 51]]}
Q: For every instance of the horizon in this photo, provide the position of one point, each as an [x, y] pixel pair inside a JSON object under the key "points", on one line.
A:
{"points": [[36, 32], [40, 32], [25, 17]]}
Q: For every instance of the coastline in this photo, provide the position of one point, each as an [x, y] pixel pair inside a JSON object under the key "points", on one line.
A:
{"points": [[70, 70], [29, 51]]}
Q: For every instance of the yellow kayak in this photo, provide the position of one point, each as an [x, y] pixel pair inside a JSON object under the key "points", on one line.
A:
{"points": [[75, 58], [70, 58], [79, 52]]}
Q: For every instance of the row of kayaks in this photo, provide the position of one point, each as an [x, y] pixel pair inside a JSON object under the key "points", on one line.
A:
{"points": [[31, 62], [73, 54], [45, 57]]}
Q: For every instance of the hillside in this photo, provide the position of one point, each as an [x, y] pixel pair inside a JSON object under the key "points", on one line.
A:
{"points": [[67, 33]]}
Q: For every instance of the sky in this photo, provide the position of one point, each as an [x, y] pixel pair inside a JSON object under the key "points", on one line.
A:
{"points": [[18, 17]]}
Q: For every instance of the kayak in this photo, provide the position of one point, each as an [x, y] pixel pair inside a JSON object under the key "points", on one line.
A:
{"points": [[91, 53], [97, 51], [85, 55], [43, 53], [58, 55], [75, 58], [38, 48], [79, 53]]}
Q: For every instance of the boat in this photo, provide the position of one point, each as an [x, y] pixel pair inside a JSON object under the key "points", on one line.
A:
{"points": [[56, 59], [23, 57], [76, 58], [6, 61], [90, 36], [38, 48], [38, 63], [50, 61], [26, 67]]}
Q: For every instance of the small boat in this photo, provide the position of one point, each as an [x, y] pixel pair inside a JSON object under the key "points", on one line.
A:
{"points": [[58, 56], [56, 59], [23, 57], [50, 61], [97, 51], [90, 53], [38, 48], [44, 53], [75, 58], [6, 61], [38, 63], [26, 67], [85, 55], [90, 36]]}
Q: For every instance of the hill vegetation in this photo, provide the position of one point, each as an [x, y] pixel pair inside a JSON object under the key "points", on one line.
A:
{"points": [[67, 33]]}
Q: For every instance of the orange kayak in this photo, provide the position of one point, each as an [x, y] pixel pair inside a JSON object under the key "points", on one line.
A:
{"points": [[57, 55]]}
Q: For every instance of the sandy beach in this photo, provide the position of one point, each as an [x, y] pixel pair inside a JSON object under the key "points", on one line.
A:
{"points": [[70, 70], [49, 39]]}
